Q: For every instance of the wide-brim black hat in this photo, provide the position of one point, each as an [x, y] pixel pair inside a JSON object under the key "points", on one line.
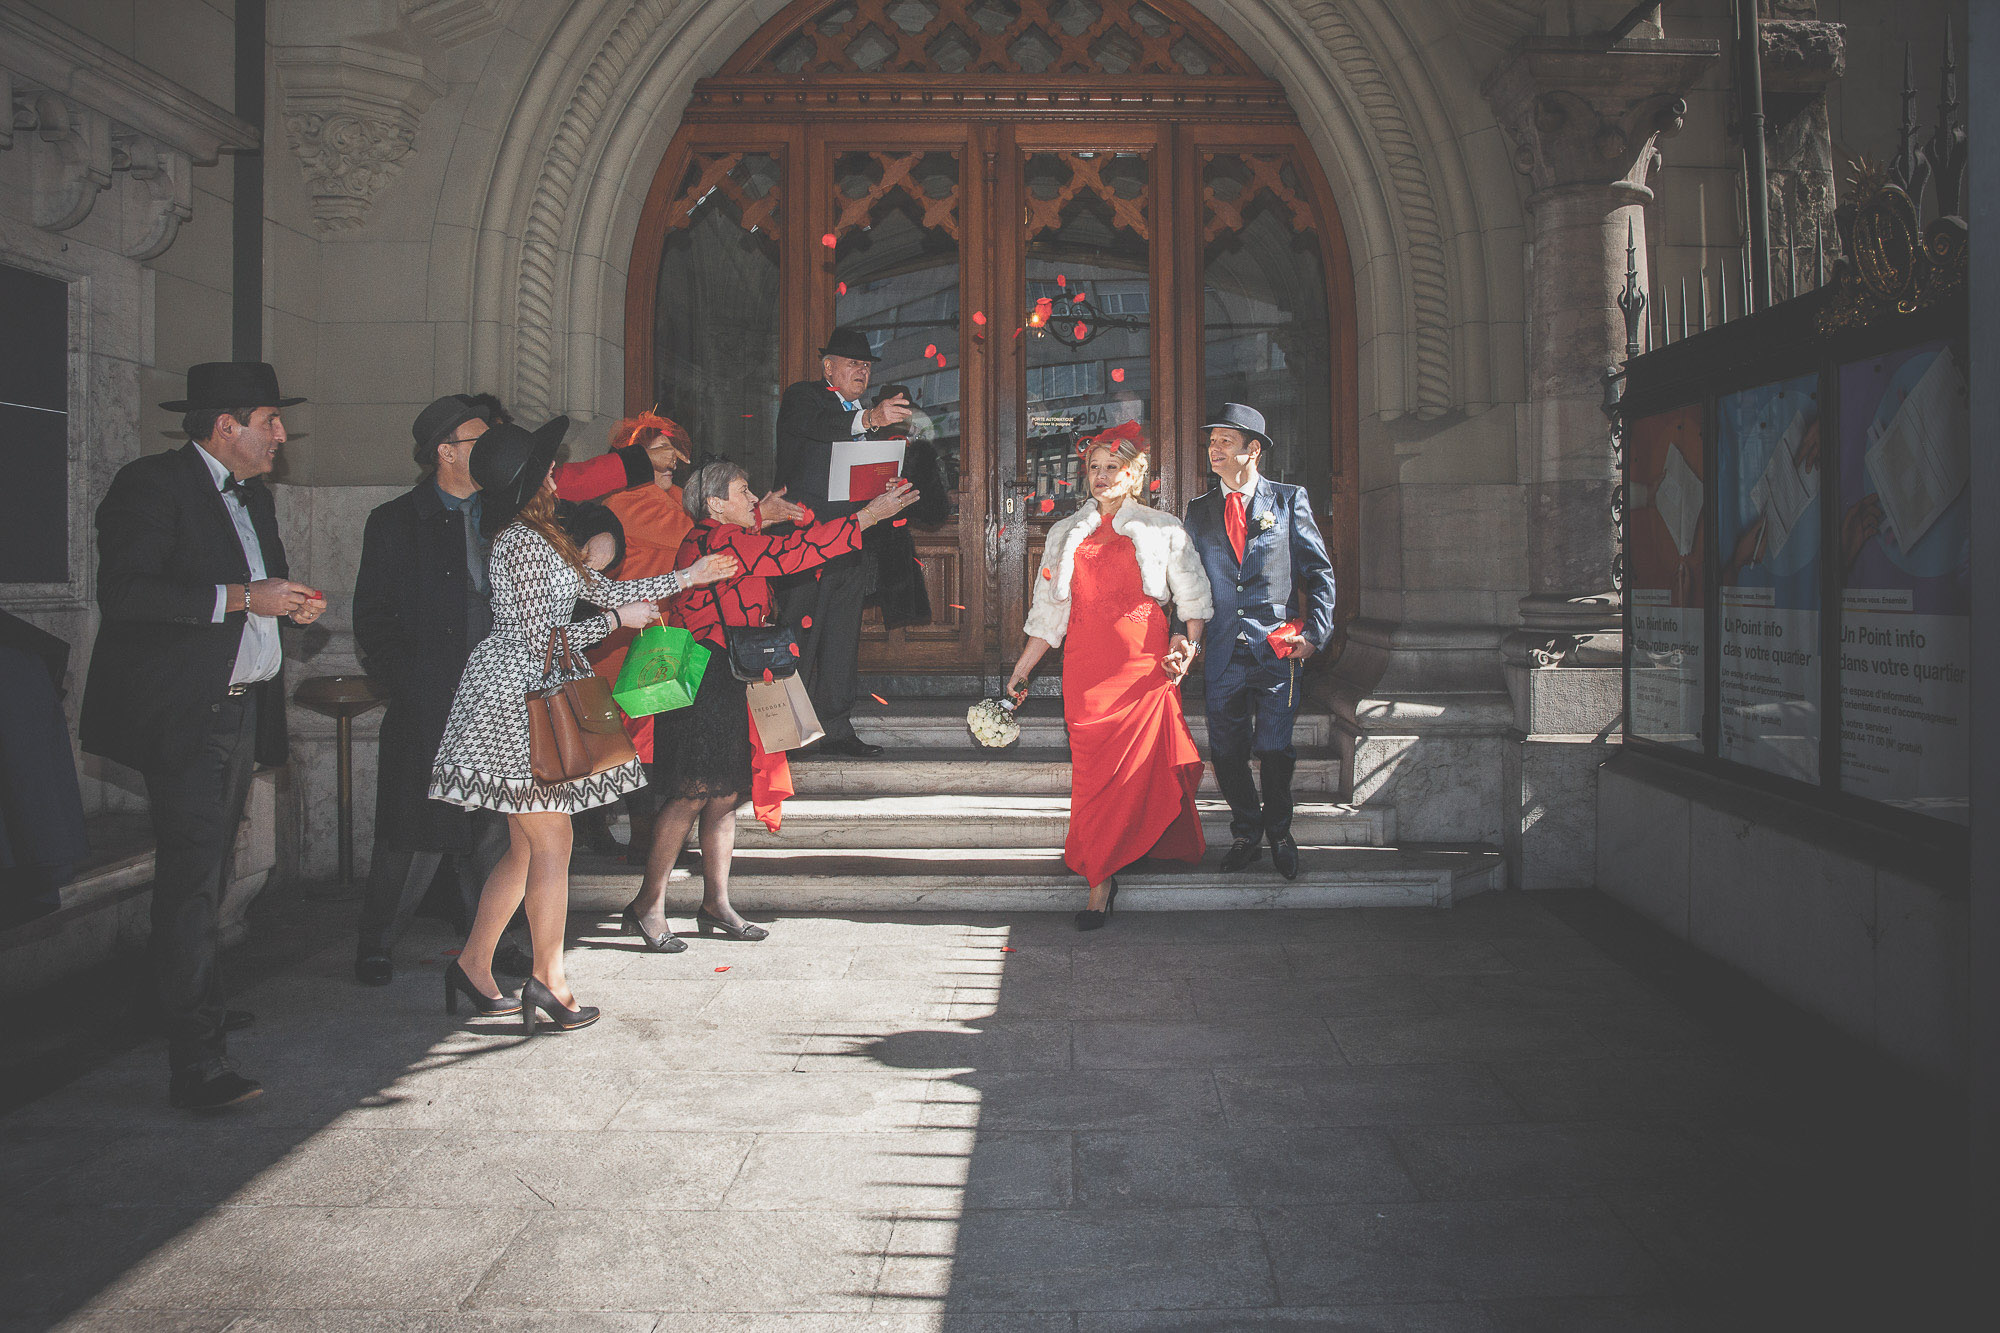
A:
{"points": [[850, 343], [221, 386], [509, 463], [1235, 416], [446, 415]]}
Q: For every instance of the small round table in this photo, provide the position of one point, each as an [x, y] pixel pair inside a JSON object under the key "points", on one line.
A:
{"points": [[342, 698]]}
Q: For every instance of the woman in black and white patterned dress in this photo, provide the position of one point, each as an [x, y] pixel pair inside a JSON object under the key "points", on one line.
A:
{"points": [[537, 576]]}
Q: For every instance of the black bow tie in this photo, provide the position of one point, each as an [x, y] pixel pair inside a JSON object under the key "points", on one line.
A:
{"points": [[234, 483]]}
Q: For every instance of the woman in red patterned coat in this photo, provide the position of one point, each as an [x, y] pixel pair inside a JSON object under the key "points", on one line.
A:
{"points": [[703, 766]]}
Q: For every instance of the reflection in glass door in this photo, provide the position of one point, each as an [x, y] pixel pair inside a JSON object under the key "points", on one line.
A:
{"points": [[1088, 312]]}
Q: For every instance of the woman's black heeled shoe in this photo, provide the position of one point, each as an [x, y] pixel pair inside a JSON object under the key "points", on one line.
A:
{"points": [[716, 925], [456, 983], [1092, 919], [534, 995], [664, 942]]}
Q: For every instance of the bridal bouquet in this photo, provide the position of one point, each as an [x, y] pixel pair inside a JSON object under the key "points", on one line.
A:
{"points": [[992, 722]]}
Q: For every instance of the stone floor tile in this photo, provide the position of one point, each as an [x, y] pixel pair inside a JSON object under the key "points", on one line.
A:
{"points": [[930, 1318], [1578, 1158], [989, 1044], [1563, 990], [1655, 1029], [1558, 953], [57, 1260], [1025, 1259], [1326, 997], [1317, 959], [1427, 1317], [767, 962], [642, 1041], [1177, 1100], [1636, 1314], [968, 962], [454, 1096], [453, 1321], [1365, 1095], [361, 1258], [1130, 1044], [1470, 1035], [203, 1163], [1167, 998], [1122, 961], [1454, 1251], [1697, 1083], [801, 1103], [721, 1261], [633, 1170], [1238, 1168], [755, 1001], [127, 1321], [937, 1171]]}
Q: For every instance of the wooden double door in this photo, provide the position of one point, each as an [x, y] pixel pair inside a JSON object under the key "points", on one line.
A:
{"points": [[1028, 282]]}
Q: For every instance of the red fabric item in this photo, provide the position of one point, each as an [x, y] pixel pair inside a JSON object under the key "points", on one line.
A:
{"points": [[590, 478], [1236, 522], [746, 599], [1134, 769], [655, 524], [770, 781], [1287, 629]]}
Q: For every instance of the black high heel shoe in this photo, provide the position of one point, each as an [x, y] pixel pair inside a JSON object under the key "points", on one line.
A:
{"points": [[534, 995], [1092, 919], [716, 925], [664, 942], [456, 983]]}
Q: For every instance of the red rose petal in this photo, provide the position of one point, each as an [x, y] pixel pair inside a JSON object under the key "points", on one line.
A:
{"points": [[722, 969], [829, 240], [879, 699], [805, 622], [1118, 375], [899, 522], [1048, 573], [1017, 331], [1155, 484], [979, 317], [453, 953], [1008, 948], [1079, 297], [940, 359], [768, 677], [1081, 329], [920, 564], [843, 289], [930, 349], [1061, 281], [1048, 506], [954, 606]]}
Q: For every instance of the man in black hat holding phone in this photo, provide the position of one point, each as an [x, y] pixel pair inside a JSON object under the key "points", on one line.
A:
{"points": [[186, 680], [1273, 584], [824, 607]]}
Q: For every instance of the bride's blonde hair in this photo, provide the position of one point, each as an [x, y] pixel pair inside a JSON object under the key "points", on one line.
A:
{"points": [[1128, 449]]}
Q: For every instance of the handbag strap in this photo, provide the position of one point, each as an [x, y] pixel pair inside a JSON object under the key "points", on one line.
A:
{"points": [[571, 660]]}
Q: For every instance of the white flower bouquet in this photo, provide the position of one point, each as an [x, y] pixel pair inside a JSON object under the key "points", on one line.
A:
{"points": [[992, 722]]}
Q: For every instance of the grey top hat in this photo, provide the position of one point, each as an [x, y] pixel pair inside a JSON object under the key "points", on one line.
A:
{"points": [[850, 343], [1235, 416], [226, 385]]}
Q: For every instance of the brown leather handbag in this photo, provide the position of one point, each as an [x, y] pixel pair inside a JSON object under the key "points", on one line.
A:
{"points": [[574, 729]]}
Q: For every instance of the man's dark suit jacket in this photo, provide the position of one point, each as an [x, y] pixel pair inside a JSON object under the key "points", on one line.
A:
{"points": [[1285, 570], [810, 419], [416, 618], [164, 540]]}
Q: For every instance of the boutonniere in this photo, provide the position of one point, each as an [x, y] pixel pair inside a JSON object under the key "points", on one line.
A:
{"points": [[1265, 522]]}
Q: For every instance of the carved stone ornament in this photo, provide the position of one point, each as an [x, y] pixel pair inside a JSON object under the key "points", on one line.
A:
{"points": [[95, 121], [351, 113]]}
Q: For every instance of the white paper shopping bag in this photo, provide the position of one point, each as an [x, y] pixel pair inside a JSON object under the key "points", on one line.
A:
{"points": [[783, 713]]}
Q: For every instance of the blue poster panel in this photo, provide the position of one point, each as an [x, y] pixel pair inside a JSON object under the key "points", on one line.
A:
{"points": [[1664, 533], [1767, 529], [1905, 624]]}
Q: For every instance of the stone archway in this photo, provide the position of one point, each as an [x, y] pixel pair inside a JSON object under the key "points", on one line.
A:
{"points": [[593, 119]]}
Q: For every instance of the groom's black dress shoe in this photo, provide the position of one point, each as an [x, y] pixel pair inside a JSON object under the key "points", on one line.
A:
{"points": [[852, 746], [1241, 853], [191, 1092], [1285, 856]]}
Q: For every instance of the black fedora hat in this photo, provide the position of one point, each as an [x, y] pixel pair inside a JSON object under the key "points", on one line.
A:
{"points": [[446, 415], [1235, 416], [509, 463], [850, 343], [224, 385]]}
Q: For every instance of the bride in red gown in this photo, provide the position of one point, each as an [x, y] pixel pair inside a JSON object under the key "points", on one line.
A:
{"points": [[1107, 575]]}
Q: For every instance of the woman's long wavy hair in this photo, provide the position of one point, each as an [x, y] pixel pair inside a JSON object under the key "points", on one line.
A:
{"points": [[539, 514]]}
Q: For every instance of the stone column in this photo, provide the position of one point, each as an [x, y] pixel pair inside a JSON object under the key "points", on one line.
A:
{"points": [[1584, 119]]}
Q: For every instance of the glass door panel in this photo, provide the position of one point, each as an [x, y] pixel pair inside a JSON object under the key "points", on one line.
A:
{"points": [[1087, 321]]}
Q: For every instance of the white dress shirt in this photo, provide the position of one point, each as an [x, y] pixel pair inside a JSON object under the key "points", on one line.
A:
{"points": [[858, 428], [259, 654], [1248, 490]]}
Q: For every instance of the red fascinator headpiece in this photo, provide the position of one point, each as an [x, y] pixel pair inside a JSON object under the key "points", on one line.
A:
{"points": [[1114, 436], [633, 429]]}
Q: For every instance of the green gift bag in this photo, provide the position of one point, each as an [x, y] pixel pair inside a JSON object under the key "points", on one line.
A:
{"points": [[663, 669]]}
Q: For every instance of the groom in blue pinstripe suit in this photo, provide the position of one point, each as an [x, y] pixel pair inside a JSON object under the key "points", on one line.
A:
{"points": [[1273, 584]]}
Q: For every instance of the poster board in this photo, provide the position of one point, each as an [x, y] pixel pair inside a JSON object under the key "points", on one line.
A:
{"points": [[1664, 578]]}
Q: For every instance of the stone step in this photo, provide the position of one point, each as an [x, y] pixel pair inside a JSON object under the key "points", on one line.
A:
{"points": [[998, 879], [935, 723], [927, 770], [1015, 821]]}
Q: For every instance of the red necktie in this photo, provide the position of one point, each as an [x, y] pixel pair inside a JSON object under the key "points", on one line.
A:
{"points": [[1236, 522]]}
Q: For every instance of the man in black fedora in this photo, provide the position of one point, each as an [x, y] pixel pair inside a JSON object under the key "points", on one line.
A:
{"points": [[186, 680], [1273, 584], [824, 607]]}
